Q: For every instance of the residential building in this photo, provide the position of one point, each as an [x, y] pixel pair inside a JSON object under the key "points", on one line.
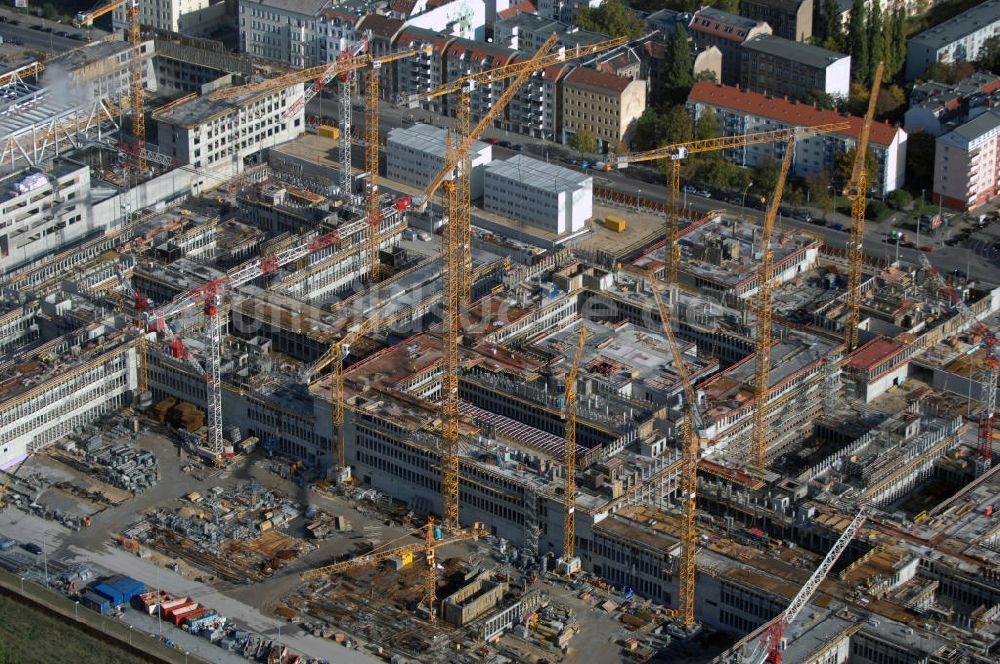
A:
{"points": [[712, 27], [940, 107], [564, 10], [221, 134], [967, 163], [665, 21], [787, 68], [464, 57], [604, 104], [956, 40], [414, 155], [527, 32], [741, 112], [424, 71], [43, 211], [282, 31], [534, 110], [336, 33], [791, 19], [457, 18], [381, 32], [556, 199], [187, 16]]}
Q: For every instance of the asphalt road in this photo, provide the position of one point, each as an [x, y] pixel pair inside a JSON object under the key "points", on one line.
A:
{"points": [[39, 39], [977, 256]]}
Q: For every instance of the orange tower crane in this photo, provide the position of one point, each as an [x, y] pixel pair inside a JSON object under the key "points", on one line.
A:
{"points": [[690, 427], [762, 359], [520, 72], [450, 340], [857, 191], [569, 485], [677, 152], [137, 97]]}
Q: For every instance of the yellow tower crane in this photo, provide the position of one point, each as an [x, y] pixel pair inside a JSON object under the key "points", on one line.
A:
{"points": [[520, 72], [690, 426], [136, 92], [450, 340], [677, 152], [762, 374], [320, 77], [569, 561], [857, 191]]}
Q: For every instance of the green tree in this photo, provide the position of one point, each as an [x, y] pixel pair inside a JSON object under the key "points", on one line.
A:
{"points": [[828, 21], [989, 54], [677, 76], [820, 99], [895, 45], [857, 42], [706, 76], [584, 141], [611, 18], [706, 127], [648, 129], [876, 41], [949, 72], [765, 177], [677, 126], [900, 199], [920, 148], [49, 11], [818, 191], [845, 164]]}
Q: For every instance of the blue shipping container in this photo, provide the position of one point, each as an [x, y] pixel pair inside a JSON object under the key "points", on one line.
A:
{"points": [[96, 602], [109, 593], [128, 587]]}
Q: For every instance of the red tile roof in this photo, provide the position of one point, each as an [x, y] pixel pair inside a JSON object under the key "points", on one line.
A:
{"points": [[383, 26], [785, 111], [526, 7], [597, 79], [404, 7], [874, 353]]}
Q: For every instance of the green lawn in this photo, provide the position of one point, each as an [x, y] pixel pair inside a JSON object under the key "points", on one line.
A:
{"points": [[28, 636]]}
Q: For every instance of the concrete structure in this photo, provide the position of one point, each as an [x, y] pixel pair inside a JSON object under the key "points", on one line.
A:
{"points": [[790, 19], [876, 367], [786, 68], [538, 193], [937, 108], [967, 163], [414, 155], [42, 212], [725, 31], [283, 31], [459, 18], [218, 133], [190, 17], [605, 104], [740, 112], [956, 40], [473, 600]]}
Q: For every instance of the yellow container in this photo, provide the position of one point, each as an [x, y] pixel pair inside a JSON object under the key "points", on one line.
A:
{"points": [[407, 558], [329, 131], [615, 224]]}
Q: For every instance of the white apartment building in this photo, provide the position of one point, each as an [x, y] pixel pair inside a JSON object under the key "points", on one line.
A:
{"points": [[741, 112], [458, 18], [336, 32], [187, 16], [41, 212], [414, 154], [956, 40], [221, 134], [425, 70], [967, 163], [544, 195], [284, 31]]}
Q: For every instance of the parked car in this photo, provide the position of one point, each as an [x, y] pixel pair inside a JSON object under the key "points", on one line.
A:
{"points": [[491, 141], [837, 227], [704, 193], [961, 274], [818, 222], [504, 144], [690, 189], [908, 245], [31, 547], [926, 248], [62, 33], [517, 147]]}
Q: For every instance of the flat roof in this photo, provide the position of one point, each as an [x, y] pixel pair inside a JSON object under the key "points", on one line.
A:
{"points": [[308, 7], [426, 138], [203, 108], [525, 169], [959, 26], [964, 134], [786, 49]]}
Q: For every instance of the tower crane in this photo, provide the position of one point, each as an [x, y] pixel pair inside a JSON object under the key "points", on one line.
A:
{"points": [[450, 339], [382, 553], [136, 92], [320, 76], [210, 297], [768, 647], [762, 357], [569, 560], [857, 192], [984, 452], [691, 425], [520, 72], [677, 152], [346, 79]]}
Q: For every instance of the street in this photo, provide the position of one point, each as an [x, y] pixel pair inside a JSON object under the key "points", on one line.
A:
{"points": [[30, 33], [975, 256]]}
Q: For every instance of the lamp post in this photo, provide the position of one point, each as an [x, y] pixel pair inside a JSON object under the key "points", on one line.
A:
{"points": [[76, 609], [743, 202]]}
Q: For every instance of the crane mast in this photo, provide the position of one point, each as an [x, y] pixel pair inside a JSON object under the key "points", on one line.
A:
{"points": [[690, 425], [857, 192], [762, 366], [569, 485], [449, 379]]}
